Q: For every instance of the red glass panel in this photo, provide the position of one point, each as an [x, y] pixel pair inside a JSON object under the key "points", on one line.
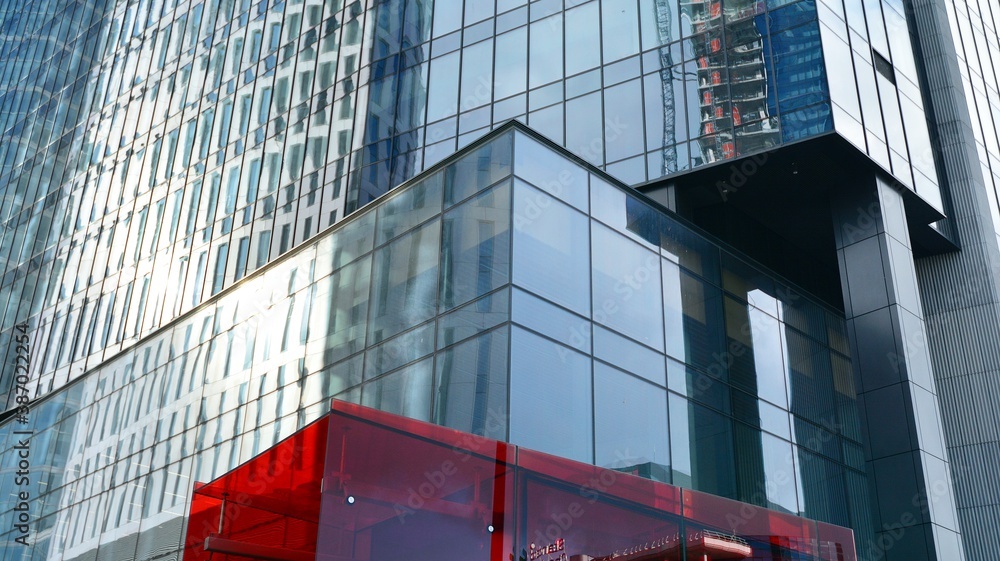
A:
{"points": [[272, 501], [363, 485]]}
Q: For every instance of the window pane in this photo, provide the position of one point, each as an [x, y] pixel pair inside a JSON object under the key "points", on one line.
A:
{"points": [[631, 420], [551, 249], [472, 386], [620, 27], [511, 63], [701, 443], [551, 320], [476, 247], [546, 53], [401, 350], [406, 392], [409, 208], [404, 282], [550, 172], [348, 310], [623, 121], [566, 381], [474, 318], [582, 51], [442, 99], [477, 75], [627, 295]]}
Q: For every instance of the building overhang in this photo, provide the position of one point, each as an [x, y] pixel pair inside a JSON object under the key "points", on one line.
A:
{"points": [[775, 206]]}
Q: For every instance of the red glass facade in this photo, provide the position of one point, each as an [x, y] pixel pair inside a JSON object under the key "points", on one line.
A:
{"points": [[365, 485]]}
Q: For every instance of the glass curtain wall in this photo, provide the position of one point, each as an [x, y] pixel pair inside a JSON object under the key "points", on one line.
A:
{"points": [[511, 292]]}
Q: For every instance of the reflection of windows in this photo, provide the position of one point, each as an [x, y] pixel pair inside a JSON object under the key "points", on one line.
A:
{"points": [[286, 236], [225, 122], [263, 248], [275, 37], [236, 55], [246, 102], [264, 108], [221, 256], [242, 253], [255, 41]]}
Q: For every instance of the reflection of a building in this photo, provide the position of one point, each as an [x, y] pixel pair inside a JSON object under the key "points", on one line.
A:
{"points": [[732, 78]]}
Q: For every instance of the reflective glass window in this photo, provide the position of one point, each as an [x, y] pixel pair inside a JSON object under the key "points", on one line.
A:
{"points": [[551, 249], [546, 54], [405, 282], [442, 95], [626, 283], [550, 172], [398, 351], [473, 318], [471, 386], [406, 392], [551, 320], [551, 412], [701, 448], [409, 208], [623, 120], [583, 52], [477, 75], [620, 29], [511, 67], [630, 416], [475, 254]]}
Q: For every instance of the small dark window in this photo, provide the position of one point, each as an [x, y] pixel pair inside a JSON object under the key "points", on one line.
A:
{"points": [[883, 66]]}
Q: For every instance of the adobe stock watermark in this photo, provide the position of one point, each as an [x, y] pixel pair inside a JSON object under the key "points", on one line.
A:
{"points": [[22, 476]]}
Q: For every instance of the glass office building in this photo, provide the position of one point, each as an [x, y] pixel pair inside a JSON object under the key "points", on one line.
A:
{"points": [[510, 292], [170, 171]]}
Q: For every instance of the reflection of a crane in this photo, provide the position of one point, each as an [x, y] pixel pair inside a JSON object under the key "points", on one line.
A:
{"points": [[663, 22]]}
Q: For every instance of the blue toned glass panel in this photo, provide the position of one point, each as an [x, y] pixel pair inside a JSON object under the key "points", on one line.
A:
{"points": [[546, 54], [630, 416], [473, 318], [798, 63], [398, 351], [442, 95], [405, 392], [623, 121], [693, 319], [478, 170], [477, 75], [582, 27], [550, 397], [626, 281], [511, 69], [551, 249], [405, 282], [620, 29], [349, 309], [629, 355], [411, 207], [471, 385], [550, 320], [475, 251], [701, 444], [550, 172]]}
